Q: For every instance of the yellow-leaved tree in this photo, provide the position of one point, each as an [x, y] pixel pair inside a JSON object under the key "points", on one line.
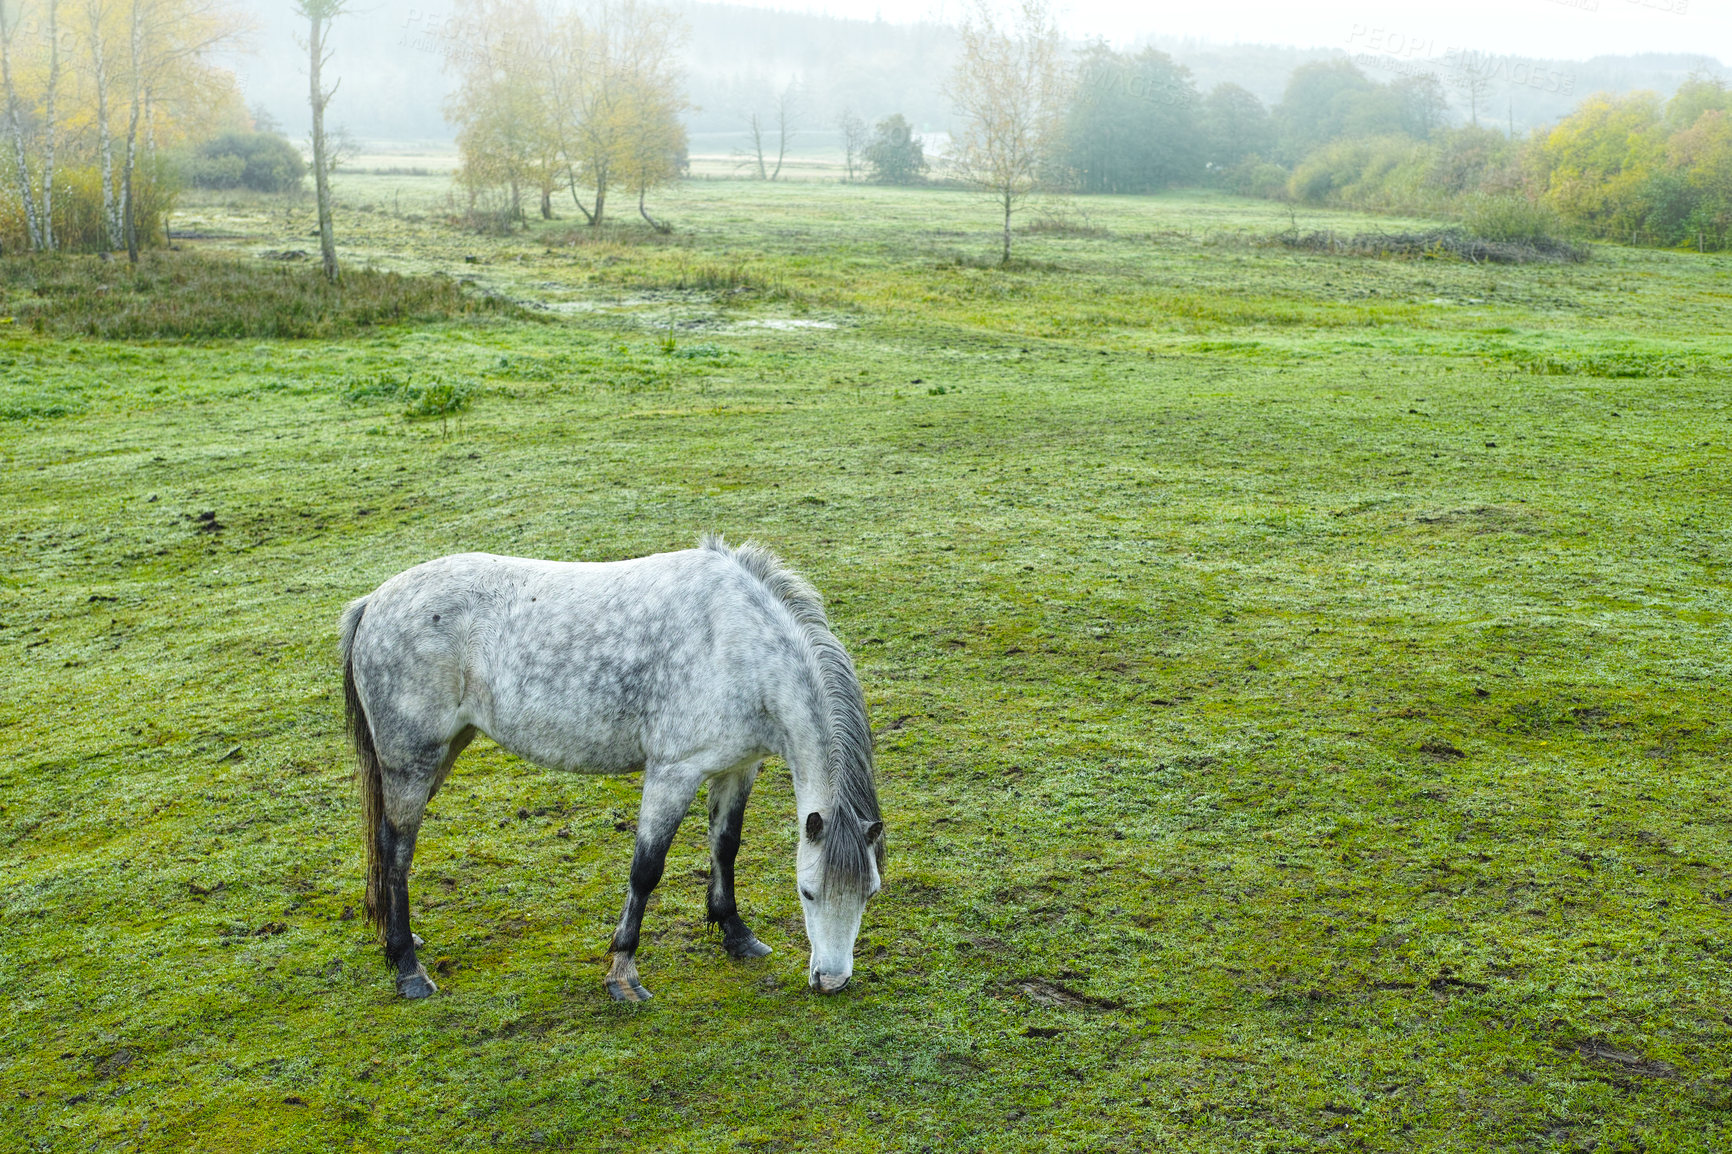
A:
{"points": [[588, 98], [93, 91], [1011, 89], [1594, 166], [502, 110]]}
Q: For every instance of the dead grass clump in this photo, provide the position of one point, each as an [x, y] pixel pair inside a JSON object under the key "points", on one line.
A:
{"points": [[187, 296]]}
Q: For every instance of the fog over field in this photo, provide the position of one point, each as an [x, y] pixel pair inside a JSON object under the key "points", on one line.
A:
{"points": [[392, 56]]}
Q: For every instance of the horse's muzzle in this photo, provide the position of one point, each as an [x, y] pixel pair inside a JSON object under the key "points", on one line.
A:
{"points": [[828, 983]]}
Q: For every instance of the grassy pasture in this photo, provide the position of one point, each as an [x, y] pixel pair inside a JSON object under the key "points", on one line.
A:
{"points": [[1298, 684]]}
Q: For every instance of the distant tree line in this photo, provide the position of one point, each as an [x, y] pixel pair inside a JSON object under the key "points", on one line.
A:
{"points": [[1032, 117], [1632, 167], [1638, 167]]}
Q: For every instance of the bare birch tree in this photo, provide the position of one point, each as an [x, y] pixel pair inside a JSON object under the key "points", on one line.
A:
{"points": [[1009, 89], [97, 15], [1474, 80], [15, 121], [50, 124], [854, 137], [756, 154], [787, 114], [319, 14]]}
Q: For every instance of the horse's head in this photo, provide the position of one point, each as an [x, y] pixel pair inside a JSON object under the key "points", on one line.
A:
{"points": [[839, 869]]}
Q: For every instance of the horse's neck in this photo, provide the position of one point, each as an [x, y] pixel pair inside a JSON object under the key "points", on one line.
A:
{"points": [[809, 767]]}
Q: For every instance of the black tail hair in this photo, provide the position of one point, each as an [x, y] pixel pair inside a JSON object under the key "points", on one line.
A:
{"points": [[369, 779]]}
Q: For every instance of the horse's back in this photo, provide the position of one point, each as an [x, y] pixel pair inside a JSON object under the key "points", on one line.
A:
{"points": [[583, 665]]}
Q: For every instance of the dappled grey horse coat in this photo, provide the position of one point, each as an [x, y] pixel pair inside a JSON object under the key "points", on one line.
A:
{"points": [[691, 666]]}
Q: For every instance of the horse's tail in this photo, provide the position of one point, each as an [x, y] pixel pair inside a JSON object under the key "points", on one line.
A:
{"points": [[368, 771]]}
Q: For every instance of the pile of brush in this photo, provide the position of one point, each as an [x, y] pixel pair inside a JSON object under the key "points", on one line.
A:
{"points": [[1441, 242]]}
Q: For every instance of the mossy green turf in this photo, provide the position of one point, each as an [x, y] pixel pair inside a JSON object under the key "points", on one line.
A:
{"points": [[1300, 705]]}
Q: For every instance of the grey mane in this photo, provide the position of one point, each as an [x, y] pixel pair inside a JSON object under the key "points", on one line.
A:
{"points": [[848, 756]]}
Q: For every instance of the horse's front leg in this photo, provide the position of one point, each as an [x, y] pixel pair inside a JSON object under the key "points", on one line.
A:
{"points": [[728, 796], [667, 794]]}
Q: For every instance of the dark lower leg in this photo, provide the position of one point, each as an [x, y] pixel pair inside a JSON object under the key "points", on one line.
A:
{"points": [[397, 849], [667, 794], [647, 862], [727, 815]]}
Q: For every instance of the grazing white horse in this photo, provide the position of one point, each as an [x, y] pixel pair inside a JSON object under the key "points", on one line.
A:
{"points": [[690, 666]]}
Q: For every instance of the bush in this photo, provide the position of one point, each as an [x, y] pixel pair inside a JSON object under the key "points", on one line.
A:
{"points": [[261, 161], [1382, 172], [895, 155], [1511, 219], [213, 171], [1332, 167], [1436, 244], [436, 400], [1468, 159], [439, 399], [1254, 177]]}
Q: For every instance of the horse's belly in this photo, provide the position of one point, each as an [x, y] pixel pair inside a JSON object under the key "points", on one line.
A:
{"points": [[579, 749]]}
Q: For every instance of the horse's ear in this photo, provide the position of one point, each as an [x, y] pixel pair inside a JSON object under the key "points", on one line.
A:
{"points": [[814, 825], [874, 832]]}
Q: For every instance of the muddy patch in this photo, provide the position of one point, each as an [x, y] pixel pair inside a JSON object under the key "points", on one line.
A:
{"points": [[1481, 519], [1058, 996], [1604, 1054]]}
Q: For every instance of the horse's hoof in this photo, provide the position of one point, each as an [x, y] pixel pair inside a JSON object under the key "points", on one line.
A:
{"points": [[416, 938], [627, 991], [417, 984], [747, 949]]}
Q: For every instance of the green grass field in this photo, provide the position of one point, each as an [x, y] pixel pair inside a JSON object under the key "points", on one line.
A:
{"points": [[1299, 686]]}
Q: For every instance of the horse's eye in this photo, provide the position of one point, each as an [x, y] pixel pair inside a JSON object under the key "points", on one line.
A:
{"points": [[808, 895]]}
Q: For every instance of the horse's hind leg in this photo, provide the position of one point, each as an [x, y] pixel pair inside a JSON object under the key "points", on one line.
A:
{"points": [[396, 852], [728, 796], [405, 795]]}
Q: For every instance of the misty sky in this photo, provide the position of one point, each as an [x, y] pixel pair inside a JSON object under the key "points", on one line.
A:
{"points": [[392, 54], [1551, 29]]}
